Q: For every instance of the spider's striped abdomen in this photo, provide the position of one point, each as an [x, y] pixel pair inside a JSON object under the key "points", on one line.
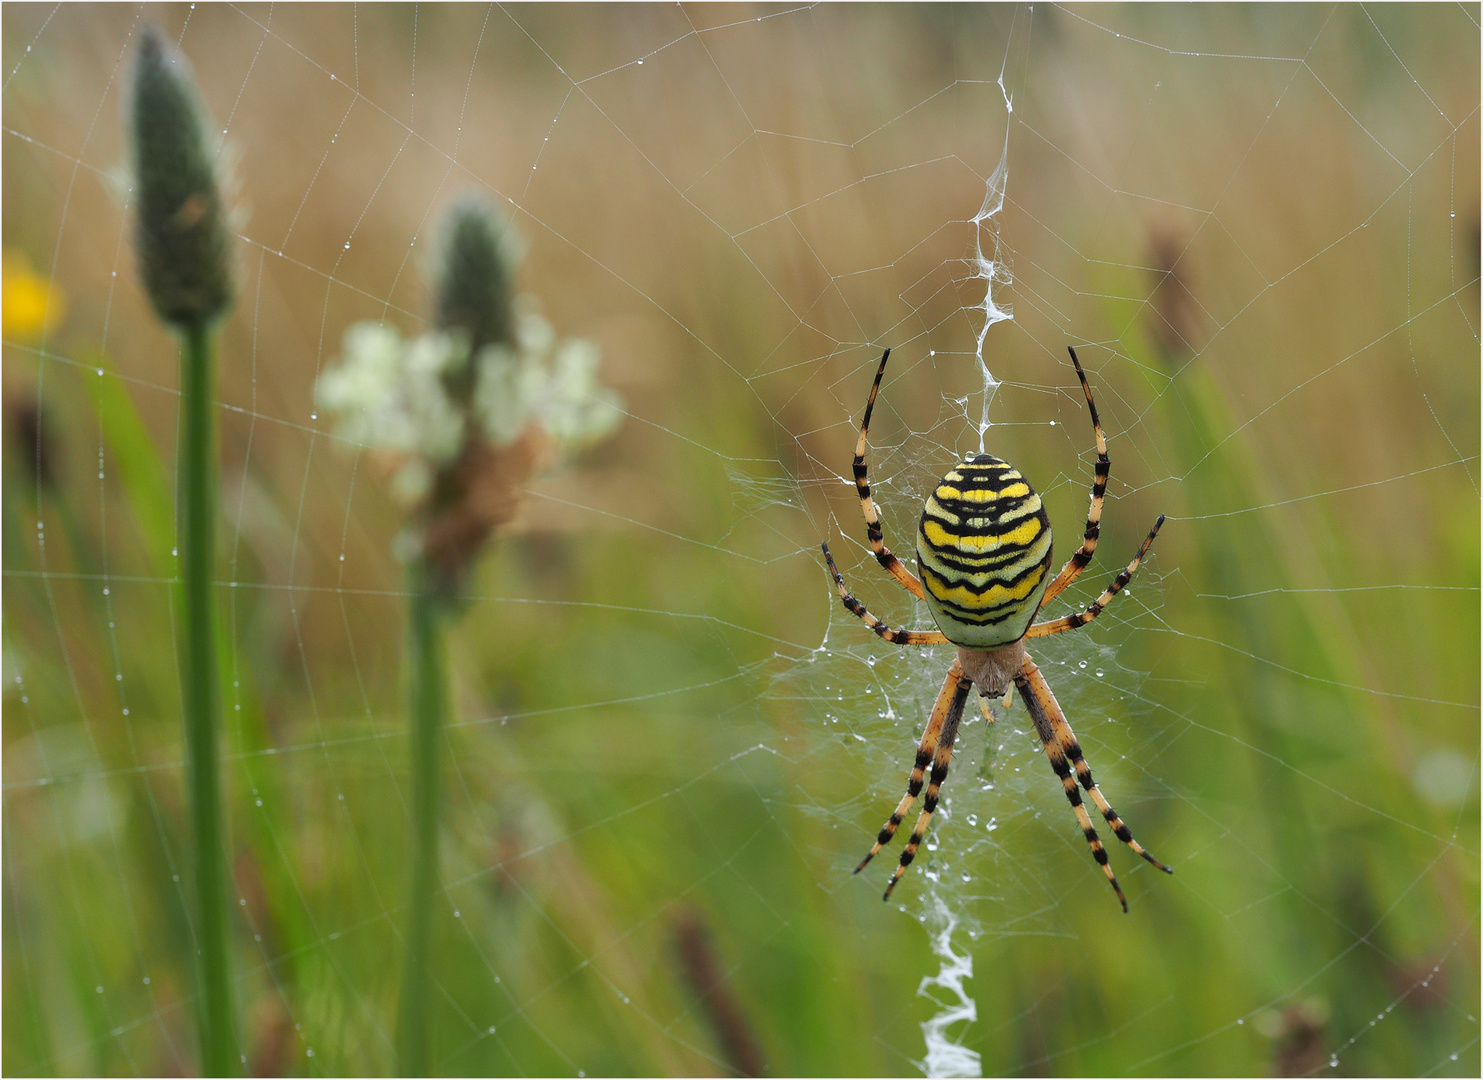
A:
{"points": [[983, 548]]}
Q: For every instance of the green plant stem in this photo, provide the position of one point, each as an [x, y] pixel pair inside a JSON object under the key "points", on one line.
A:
{"points": [[425, 655], [200, 690]]}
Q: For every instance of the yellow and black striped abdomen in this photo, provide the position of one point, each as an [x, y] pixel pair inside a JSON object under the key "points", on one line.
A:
{"points": [[983, 548]]}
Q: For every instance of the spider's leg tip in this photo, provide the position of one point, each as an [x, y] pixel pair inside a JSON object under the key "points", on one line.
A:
{"points": [[1161, 866]]}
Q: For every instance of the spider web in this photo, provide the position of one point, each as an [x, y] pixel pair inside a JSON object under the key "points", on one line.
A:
{"points": [[1258, 227]]}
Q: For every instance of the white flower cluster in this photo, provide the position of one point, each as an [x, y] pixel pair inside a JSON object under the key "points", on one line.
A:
{"points": [[393, 394]]}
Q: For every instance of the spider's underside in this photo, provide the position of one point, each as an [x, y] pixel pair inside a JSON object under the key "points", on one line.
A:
{"points": [[984, 552]]}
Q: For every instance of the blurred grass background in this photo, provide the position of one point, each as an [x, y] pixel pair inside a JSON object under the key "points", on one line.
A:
{"points": [[671, 746]]}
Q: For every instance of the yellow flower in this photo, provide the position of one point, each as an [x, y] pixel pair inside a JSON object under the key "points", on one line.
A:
{"points": [[32, 304]]}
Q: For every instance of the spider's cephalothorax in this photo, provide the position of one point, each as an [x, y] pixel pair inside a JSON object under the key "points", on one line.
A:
{"points": [[984, 550]]}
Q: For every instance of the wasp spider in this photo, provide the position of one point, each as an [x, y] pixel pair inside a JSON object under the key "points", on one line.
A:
{"points": [[984, 552]]}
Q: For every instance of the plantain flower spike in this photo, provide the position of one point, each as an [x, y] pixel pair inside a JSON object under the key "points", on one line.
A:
{"points": [[184, 246], [462, 416], [474, 281]]}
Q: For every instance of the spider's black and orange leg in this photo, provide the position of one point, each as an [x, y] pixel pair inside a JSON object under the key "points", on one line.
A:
{"points": [[1081, 618], [892, 565], [1041, 705], [854, 607], [1083, 555], [1046, 704], [925, 751], [940, 759]]}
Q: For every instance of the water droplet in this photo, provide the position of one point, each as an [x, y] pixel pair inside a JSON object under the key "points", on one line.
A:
{"points": [[1081, 663]]}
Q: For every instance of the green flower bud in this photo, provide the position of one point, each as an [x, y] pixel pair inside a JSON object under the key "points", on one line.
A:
{"points": [[474, 286], [184, 246]]}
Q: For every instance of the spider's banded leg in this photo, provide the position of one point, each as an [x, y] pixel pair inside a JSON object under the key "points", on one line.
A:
{"points": [[1083, 555], [940, 759], [854, 607], [1035, 704], [1081, 618], [1045, 703], [925, 750], [893, 566]]}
